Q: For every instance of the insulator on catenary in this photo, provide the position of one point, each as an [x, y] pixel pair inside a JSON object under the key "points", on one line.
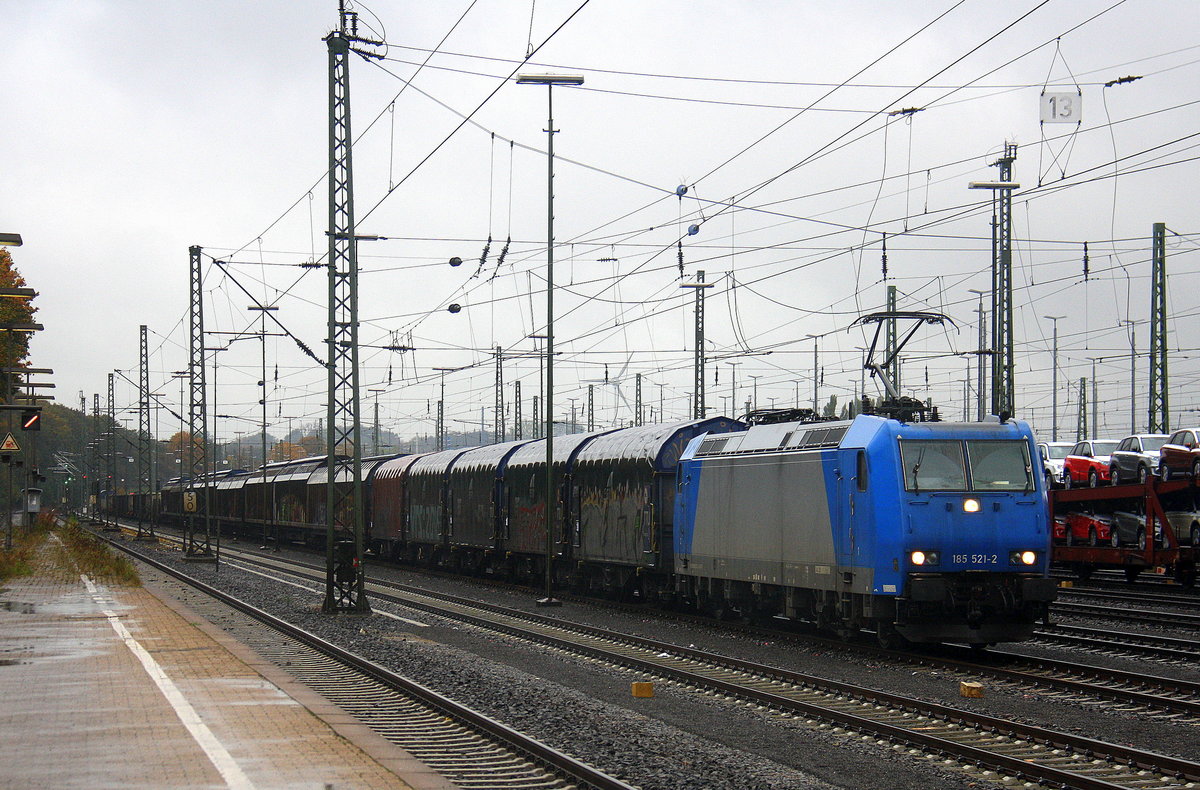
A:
{"points": [[483, 258], [503, 252], [1085, 261]]}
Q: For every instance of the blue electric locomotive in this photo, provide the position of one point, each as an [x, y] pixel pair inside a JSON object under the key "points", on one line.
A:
{"points": [[922, 531]]}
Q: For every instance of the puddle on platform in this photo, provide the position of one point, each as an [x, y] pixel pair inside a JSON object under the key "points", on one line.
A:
{"points": [[17, 606]]}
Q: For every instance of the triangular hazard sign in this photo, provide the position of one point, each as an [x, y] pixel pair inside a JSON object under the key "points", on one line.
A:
{"points": [[10, 444]]}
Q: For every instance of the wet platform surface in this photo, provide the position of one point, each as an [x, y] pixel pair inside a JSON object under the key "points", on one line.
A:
{"points": [[128, 688]]}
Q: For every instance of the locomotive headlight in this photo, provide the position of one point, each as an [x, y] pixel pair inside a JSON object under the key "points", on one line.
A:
{"points": [[1022, 558], [970, 505], [924, 558]]}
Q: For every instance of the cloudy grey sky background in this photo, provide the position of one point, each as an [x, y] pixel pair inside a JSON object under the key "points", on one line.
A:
{"points": [[137, 129]]}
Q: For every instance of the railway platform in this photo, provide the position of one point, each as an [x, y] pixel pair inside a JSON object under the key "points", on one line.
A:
{"points": [[129, 688]]}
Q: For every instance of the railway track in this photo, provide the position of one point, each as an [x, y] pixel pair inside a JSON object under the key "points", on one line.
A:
{"points": [[1154, 694], [1186, 600], [985, 746], [1123, 643], [474, 751], [1177, 620]]}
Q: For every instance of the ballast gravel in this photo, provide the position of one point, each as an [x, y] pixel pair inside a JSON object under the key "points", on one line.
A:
{"points": [[680, 738]]}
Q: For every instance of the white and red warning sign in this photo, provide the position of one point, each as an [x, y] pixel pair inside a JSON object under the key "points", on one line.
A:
{"points": [[9, 445]]}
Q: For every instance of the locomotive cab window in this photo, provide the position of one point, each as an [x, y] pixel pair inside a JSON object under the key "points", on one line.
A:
{"points": [[933, 464], [861, 470], [999, 465]]}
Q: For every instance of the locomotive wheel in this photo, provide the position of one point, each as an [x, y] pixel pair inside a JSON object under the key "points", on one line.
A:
{"points": [[888, 637], [1186, 576]]}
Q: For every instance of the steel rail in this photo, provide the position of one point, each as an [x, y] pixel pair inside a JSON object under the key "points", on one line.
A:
{"points": [[1170, 619]]}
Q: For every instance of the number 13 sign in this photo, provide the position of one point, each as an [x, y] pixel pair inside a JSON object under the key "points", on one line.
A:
{"points": [[1062, 108]]}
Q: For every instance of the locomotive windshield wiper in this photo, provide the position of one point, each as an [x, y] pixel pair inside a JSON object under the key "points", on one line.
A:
{"points": [[916, 469]]}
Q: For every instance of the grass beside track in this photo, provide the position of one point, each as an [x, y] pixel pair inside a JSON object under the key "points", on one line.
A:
{"points": [[75, 549]]}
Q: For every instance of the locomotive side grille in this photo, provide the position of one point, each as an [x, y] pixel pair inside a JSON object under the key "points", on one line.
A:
{"points": [[713, 445], [823, 437]]}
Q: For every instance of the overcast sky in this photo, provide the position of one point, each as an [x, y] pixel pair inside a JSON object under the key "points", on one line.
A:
{"points": [[137, 129]]}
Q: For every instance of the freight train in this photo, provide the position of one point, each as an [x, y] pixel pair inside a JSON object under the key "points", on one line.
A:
{"points": [[925, 532]]}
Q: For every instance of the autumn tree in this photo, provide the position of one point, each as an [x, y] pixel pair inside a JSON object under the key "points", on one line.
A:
{"points": [[14, 346], [312, 444], [286, 451]]}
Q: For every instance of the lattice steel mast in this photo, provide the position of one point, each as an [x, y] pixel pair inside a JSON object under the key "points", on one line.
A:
{"points": [[500, 434], [698, 404], [111, 459], [1003, 391], [637, 399], [1160, 414], [518, 431], [197, 540], [344, 581], [144, 439]]}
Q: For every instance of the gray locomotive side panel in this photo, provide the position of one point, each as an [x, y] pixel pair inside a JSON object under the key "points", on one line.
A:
{"points": [[764, 519]]}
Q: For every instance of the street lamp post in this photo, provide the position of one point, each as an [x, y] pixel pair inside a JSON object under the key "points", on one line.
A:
{"points": [[375, 391], [816, 339], [980, 353], [1054, 379], [550, 80], [1132, 373], [267, 510]]}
